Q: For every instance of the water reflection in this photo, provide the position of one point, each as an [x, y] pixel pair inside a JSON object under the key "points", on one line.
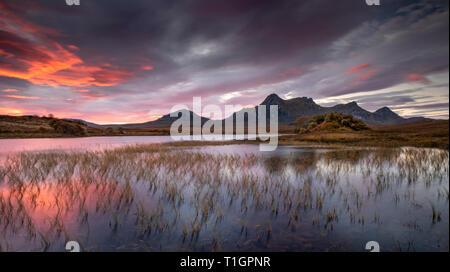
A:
{"points": [[234, 198]]}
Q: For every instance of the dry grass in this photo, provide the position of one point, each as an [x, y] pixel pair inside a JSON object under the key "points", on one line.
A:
{"points": [[49, 127], [416, 134], [167, 196]]}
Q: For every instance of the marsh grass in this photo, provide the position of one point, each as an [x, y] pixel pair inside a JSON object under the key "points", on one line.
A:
{"points": [[179, 196]]}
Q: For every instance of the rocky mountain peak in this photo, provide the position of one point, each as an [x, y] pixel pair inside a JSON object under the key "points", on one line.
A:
{"points": [[272, 99]]}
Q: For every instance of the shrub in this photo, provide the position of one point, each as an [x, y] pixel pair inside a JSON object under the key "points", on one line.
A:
{"points": [[68, 128], [329, 122]]}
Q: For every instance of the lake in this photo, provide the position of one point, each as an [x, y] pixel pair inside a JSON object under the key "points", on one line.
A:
{"points": [[82, 143], [138, 194]]}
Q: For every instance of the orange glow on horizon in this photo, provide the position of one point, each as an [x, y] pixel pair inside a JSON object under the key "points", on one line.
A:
{"points": [[10, 111]]}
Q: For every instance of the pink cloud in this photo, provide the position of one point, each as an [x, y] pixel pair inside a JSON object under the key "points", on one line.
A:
{"points": [[90, 95], [417, 78], [358, 68], [147, 67], [365, 76], [289, 73], [83, 91]]}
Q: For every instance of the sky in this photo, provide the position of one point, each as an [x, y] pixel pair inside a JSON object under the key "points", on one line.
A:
{"points": [[122, 61]]}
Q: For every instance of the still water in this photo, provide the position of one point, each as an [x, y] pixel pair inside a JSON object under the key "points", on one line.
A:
{"points": [[82, 143], [115, 194]]}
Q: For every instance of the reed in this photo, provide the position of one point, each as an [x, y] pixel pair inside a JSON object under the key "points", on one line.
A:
{"points": [[181, 196]]}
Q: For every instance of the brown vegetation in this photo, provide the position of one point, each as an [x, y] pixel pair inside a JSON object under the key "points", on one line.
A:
{"points": [[49, 127], [157, 197], [417, 134], [34, 126], [329, 122]]}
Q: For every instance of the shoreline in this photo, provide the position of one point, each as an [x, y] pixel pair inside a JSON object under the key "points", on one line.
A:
{"points": [[283, 140]]}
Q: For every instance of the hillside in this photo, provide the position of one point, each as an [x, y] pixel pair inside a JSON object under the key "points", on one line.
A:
{"points": [[423, 133], [49, 127], [34, 126]]}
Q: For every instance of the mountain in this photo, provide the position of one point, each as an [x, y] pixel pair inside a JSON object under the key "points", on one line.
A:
{"points": [[386, 116], [354, 109], [291, 109], [288, 111], [89, 124], [164, 121]]}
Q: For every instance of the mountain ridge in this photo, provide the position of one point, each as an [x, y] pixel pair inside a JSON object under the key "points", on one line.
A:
{"points": [[290, 110]]}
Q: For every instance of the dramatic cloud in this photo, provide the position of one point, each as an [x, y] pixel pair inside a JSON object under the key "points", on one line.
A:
{"points": [[31, 53], [129, 61]]}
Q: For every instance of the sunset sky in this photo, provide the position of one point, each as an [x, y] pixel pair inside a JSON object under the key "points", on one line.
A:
{"points": [[119, 61]]}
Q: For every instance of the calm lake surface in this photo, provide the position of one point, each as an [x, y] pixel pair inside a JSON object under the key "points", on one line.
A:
{"points": [[115, 194], [9, 146], [83, 143]]}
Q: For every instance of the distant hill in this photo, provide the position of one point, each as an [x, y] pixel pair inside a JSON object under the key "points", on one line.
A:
{"points": [[164, 121], [35, 126], [51, 127], [90, 124]]}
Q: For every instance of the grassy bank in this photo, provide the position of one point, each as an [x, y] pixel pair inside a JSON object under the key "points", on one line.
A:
{"points": [[417, 134], [50, 127]]}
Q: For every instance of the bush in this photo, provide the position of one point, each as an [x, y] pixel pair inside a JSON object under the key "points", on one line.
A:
{"points": [[329, 122], [312, 124], [109, 130], [68, 128], [42, 130], [301, 121]]}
